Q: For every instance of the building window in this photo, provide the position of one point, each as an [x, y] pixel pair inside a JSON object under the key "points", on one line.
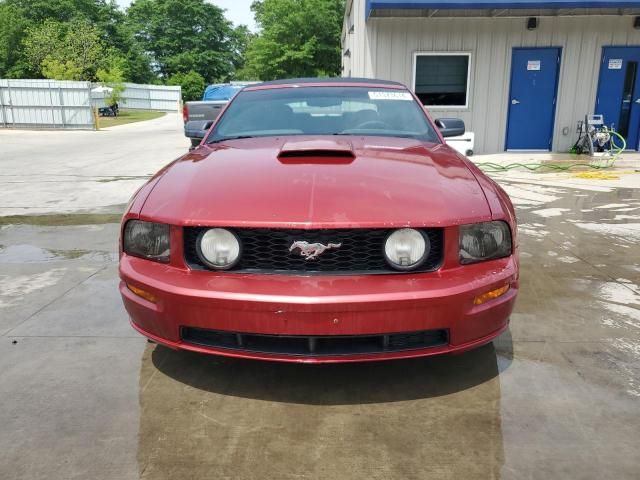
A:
{"points": [[442, 79]]}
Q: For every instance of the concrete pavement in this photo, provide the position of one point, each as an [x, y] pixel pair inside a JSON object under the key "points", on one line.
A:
{"points": [[51, 171], [83, 396]]}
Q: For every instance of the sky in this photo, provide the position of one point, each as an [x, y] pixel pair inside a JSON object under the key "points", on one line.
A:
{"points": [[238, 11]]}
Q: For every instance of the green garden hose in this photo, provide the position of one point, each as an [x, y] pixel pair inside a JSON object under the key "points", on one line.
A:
{"points": [[608, 161]]}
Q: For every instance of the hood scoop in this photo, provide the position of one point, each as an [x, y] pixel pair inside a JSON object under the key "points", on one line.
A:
{"points": [[331, 152]]}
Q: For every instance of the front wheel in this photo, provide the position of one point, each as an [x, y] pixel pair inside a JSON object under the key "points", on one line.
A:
{"points": [[195, 142]]}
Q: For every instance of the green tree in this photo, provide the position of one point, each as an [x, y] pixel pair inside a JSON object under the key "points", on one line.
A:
{"points": [[99, 12], [155, 39], [191, 82], [185, 35], [240, 39], [18, 17], [57, 69], [12, 27], [112, 76], [42, 41], [72, 49], [137, 66], [298, 38]]}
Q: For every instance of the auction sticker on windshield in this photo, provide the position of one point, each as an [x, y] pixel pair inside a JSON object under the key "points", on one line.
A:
{"points": [[390, 96]]}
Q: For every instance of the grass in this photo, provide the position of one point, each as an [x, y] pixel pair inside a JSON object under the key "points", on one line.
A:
{"points": [[128, 116]]}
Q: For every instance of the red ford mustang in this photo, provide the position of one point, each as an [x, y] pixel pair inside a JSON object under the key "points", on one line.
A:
{"points": [[321, 221]]}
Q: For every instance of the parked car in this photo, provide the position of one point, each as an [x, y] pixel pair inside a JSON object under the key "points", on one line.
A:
{"points": [[199, 115], [321, 220]]}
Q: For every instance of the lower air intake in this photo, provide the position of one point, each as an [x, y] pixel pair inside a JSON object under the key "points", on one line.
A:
{"points": [[315, 345]]}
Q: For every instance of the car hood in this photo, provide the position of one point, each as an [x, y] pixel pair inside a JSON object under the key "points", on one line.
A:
{"points": [[318, 182]]}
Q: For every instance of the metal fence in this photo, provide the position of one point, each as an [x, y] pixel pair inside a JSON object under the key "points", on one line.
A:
{"points": [[45, 104], [163, 98]]}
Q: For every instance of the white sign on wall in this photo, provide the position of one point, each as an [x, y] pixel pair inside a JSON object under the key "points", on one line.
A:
{"points": [[533, 65], [615, 64]]}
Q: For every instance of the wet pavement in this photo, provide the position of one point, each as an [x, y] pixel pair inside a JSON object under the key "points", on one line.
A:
{"points": [[53, 171], [556, 396]]}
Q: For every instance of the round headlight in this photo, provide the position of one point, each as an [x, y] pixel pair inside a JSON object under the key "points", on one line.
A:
{"points": [[218, 248], [405, 249]]}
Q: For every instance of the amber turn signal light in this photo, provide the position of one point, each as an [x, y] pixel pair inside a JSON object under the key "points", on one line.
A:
{"points": [[142, 293], [485, 297]]}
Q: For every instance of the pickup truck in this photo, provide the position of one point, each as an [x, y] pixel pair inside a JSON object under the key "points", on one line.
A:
{"points": [[199, 115]]}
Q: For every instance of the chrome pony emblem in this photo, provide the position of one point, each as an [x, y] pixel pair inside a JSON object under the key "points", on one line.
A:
{"points": [[311, 251]]}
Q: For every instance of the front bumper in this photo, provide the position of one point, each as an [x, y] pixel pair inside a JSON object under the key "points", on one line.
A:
{"points": [[319, 306]]}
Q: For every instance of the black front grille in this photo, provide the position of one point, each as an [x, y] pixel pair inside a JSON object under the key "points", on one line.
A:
{"points": [[315, 345], [266, 250]]}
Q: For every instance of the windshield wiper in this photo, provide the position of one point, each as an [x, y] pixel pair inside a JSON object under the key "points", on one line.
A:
{"points": [[237, 137]]}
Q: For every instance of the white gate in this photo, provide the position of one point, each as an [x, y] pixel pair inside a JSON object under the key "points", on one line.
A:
{"points": [[164, 98], [45, 104]]}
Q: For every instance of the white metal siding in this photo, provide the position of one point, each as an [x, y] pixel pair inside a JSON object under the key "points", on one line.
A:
{"points": [[164, 98], [45, 104], [384, 48], [359, 63]]}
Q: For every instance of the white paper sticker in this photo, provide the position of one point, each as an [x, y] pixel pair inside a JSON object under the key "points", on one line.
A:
{"points": [[533, 65], [390, 96], [615, 64]]}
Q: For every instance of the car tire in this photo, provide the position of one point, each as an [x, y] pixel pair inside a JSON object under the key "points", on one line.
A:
{"points": [[195, 142], [469, 153]]}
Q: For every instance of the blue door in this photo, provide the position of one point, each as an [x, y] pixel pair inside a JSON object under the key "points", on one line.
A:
{"points": [[618, 98], [532, 100]]}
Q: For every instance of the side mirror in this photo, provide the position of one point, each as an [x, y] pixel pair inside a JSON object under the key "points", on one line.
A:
{"points": [[200, 133], [450, 127]]}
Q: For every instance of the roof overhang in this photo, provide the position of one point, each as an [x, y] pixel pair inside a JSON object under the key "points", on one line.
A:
{"points": [[456, 6]]}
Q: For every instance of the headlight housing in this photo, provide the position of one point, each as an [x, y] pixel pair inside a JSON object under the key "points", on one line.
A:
{"points": [[218, 248], [406, 249], [147, 240], [484, 241]]}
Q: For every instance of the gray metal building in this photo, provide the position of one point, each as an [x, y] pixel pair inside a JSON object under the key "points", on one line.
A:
{"points": [[521, 74]]}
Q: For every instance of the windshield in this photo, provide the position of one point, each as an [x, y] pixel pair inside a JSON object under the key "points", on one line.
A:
{"points": [[324, 111], [221, 92]]}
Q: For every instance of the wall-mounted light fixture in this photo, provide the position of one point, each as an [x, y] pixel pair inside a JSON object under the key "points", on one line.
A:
{"points": [[532, 23], [347, 53], [352, 28]]}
